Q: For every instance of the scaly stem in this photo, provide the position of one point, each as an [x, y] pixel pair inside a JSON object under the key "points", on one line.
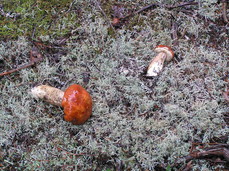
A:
{"points": [[49, 94], [156, 65]]}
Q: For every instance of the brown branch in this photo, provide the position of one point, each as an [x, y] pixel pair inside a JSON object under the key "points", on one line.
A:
{"points": [[186, 167], [181, 5], [224, 10], [35, 57], [159, 5], [174, 32], [215, 150], [219, 152], [225, 94], [117, 21]]}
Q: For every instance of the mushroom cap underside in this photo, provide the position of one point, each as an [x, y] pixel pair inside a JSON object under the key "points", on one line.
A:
{"points": [[166, 49]]}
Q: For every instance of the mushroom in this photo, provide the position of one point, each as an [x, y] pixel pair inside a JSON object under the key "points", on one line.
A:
{"points": [[165, 53], [115, 22], [76, 101]]}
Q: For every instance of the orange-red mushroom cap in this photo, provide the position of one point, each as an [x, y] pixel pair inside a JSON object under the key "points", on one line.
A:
{"points": [[115, 21], [77, 104]]}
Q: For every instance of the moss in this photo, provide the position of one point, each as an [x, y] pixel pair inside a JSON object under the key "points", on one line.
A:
{"points": [[37, 18]]}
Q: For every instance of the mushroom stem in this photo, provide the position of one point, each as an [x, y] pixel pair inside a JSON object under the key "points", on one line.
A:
{"points": [[49, 94], [156, 64]]}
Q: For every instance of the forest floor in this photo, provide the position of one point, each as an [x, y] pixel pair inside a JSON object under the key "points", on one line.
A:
{"points": [[177, 120]]}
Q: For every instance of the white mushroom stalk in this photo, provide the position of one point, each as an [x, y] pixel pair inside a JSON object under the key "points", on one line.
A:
{"points": [[165, 53], [50, 94]]}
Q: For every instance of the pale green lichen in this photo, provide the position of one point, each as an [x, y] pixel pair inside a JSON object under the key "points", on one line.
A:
{"points": [[137, 123]]}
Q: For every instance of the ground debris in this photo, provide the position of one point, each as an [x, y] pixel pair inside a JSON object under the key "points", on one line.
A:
{"points": [[215, 153]]}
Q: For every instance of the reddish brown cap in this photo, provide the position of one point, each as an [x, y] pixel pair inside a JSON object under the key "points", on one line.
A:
{"points": [[168, 50], [115, 21], [77, 104]]}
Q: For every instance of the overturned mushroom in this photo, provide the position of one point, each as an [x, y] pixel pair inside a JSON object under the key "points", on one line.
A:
{"points": [[165, 53], [76, 101]]}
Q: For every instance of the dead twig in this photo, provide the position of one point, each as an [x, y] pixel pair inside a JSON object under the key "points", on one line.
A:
{"points": [[154, 5], [224, 10], [226, 95], [186, 167], [218, 153], [35, 57], [181, 5], [174, 32], [41, 45]]}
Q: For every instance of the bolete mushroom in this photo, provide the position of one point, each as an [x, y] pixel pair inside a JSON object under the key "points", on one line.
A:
{"points": [[115, 22], [76, 101], [165, 53]]}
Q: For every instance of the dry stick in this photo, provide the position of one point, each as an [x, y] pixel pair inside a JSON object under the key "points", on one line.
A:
{"points": [[186, 167], [33, 60], [159, 5], [223, 152], [219, 150], [225, 94], [181, 5], [224, 7], [174, 32], [140, 10]]}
